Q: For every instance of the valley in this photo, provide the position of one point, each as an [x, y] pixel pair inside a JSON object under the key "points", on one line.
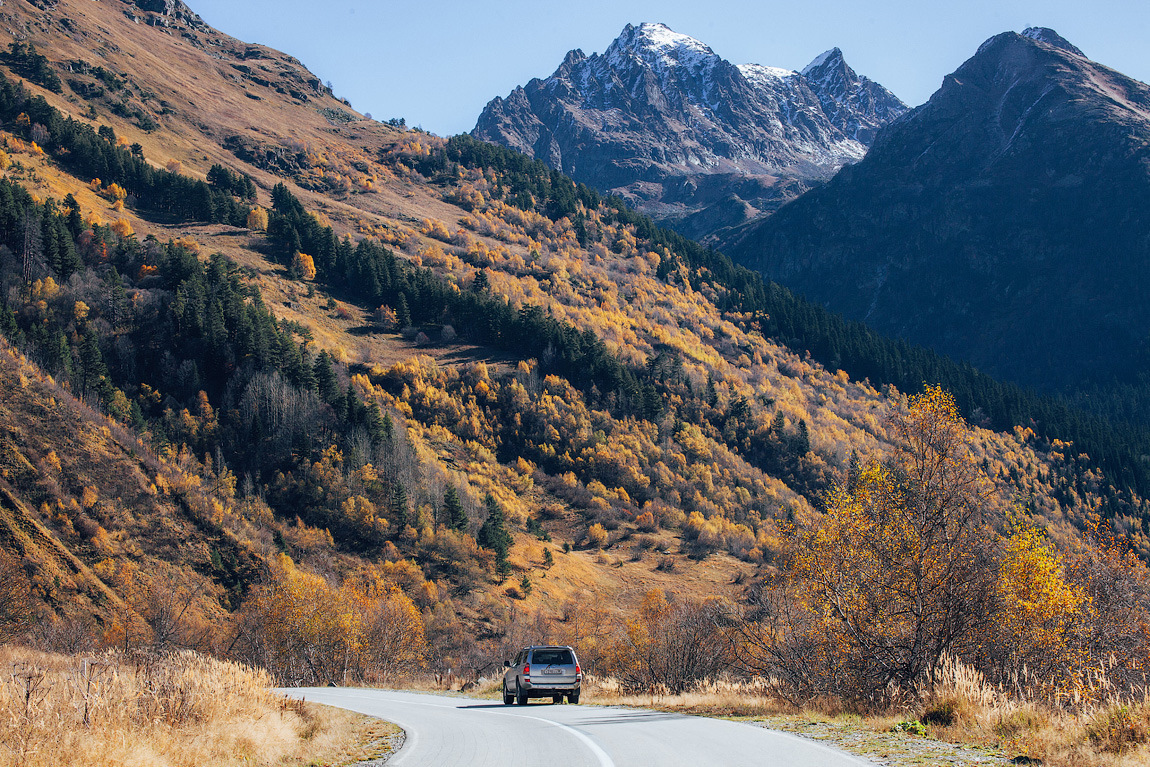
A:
{"points": [[348, 402]]}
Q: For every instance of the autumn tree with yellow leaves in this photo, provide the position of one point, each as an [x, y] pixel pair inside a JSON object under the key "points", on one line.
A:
{"points": [[307, 631], [303, 266], [893, 577], [258, 219], [906, 568], [1040, 611]]}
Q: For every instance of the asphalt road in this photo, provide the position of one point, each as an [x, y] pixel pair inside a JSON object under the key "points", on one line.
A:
{"points": [[447, 731]]}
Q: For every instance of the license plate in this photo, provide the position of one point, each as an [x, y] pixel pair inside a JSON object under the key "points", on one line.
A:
{"points": [[553, 671]]}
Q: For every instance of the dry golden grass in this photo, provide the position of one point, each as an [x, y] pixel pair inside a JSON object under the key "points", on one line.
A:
{"points": [[962, 709], [748, 698], [181, 709]]}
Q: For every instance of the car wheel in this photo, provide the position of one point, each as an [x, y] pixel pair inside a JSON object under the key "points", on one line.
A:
{"points": [[573, 698], [520, 695], [508, 698], [556, 698]]}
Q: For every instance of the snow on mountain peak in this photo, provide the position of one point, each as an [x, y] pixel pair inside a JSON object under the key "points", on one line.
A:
{"points": [[661, 46], [757, 74], [822, 59], [1050, 37]]}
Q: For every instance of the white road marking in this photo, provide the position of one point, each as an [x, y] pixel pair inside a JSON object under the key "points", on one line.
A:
{"points": [[600, 754], [410, 741], [409, 745]]}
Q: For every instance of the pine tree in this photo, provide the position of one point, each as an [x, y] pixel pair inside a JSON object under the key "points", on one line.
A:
{"points": [[377, 427], [92, 367], [398, 506], [493, 535], [137, 417], [854, 470], [453, 510], [802, 439], [480, 284], [402, 312], [325, 378]]}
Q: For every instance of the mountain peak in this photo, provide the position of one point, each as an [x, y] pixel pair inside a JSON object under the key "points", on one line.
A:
{"points": [[976, 218], [855, 105], [659, 44], [574, 56], [1050, 37], [833, 56], [663, 121]]}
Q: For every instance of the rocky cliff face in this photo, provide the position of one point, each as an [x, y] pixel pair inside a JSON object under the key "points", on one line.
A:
{"points": [[1003, 222], [662, 120], [856, 105]]}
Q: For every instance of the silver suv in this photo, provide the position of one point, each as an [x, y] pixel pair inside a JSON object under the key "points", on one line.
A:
{"points": [[542, 672]]}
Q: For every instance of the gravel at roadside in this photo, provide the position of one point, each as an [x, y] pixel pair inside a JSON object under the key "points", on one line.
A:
{"points": [[891, 749]]}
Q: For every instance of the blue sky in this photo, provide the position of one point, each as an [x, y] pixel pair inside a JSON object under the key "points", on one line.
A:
{"points": [[437, 64]]}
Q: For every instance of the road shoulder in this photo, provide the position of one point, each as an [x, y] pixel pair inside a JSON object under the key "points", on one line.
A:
{"points": [[890, 749]]}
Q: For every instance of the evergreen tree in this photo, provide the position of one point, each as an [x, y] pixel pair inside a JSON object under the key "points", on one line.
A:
{"points": [[377, 426], [802, 438], [326, 379], [92, 367], [115, 298], [398, 506], [453, 510], [493, 535], [402, 312], [854, 470], [480, 284]]}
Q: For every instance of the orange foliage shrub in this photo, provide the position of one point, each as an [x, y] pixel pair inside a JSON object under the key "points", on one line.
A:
{"points": [[306, 631], [258, 219], [1040, 608], [646, 522], [597, 536], [669, 645], [123, 228], [435, 228], [304, 266]]}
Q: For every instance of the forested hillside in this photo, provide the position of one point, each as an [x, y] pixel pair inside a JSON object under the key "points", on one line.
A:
{"points": [[346, 401]]}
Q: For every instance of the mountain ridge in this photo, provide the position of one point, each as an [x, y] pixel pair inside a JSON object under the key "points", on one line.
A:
{"points": [[662, 120], [1004, 204]]}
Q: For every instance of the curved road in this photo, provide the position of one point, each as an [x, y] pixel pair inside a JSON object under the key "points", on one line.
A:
{"points": [[466, 732]]}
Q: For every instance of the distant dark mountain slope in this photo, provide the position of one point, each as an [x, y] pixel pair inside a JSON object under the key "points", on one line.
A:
{"points": [[663, 121], [1004, 222]]}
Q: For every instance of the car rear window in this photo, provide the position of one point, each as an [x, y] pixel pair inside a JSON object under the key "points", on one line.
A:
{"points": [[553, 657]]}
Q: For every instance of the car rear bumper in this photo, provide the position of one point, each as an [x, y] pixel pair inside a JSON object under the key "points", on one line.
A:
{"points": [[546, 689]]}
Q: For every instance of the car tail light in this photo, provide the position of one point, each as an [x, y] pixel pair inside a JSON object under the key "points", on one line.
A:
{"points": [[526, 670], [578, 672]]}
